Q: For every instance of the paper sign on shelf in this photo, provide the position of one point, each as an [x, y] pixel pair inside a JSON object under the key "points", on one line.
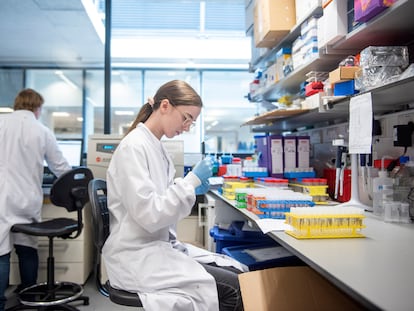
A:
{"points": [[360, 124]]}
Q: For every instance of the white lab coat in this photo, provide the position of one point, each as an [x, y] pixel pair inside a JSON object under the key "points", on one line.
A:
{"points": [[144, 202], [25, 143]]}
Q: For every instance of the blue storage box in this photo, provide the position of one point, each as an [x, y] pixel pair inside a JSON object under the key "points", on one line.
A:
{"points": [[273, 256], [235, 236], [345, 88]]}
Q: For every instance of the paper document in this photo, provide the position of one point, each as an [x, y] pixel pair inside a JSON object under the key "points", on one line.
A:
{"points": [[268, 224], [268, 253], [360, 124]]}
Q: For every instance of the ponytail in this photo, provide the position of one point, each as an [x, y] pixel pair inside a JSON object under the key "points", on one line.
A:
{"points": [[143, 115]]}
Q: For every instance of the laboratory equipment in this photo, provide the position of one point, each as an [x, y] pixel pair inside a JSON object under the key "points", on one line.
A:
{"points": [[100, 150], [101, 147]]}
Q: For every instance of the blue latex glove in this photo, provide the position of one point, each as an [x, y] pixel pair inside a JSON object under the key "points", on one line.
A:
{"points": [[203, 169], [203, 188]]}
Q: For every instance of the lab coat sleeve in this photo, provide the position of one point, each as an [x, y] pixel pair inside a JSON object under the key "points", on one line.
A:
{"points": [[138, 183], [54, 157]]}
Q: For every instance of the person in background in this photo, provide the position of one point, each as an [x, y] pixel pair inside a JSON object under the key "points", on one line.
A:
{"points": [[26, 143], [142, 253]]}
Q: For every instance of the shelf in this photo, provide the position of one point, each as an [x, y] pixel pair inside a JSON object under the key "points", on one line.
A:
{"points": [[384, 100], [291, 83], [394, 26], [287, 40], [273, 115]]}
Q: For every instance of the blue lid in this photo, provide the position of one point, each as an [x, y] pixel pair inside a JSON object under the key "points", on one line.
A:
{"points": [[404, 159]]}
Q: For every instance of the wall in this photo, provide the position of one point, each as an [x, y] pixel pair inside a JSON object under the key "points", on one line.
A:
{"points": [[323, 153]]}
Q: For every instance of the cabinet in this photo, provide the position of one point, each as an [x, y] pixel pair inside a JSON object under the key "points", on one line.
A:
{"points": [[395, 26], [73, 257]]}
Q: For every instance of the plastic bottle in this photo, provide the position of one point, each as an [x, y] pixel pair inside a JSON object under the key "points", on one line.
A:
{"points": [[382, 189], [402, 181]]}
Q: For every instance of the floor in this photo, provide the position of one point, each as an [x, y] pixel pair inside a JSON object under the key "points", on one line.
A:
{"points": [[97, 302]]}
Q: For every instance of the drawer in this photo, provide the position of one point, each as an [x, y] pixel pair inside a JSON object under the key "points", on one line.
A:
{"points": [[70, 272], [63, 251]]}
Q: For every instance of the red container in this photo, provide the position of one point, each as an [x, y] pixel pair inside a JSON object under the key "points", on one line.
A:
{"points": [[329, 174]]}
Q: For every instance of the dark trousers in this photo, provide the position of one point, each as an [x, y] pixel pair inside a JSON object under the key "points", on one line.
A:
{"points": [[228, 287], [28, 266]]}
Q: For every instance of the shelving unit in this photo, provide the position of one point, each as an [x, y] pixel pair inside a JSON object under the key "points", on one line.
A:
{"points": [[394, 26]]}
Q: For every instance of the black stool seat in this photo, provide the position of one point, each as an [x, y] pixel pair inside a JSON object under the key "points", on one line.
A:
{"points": [[58, 227], [123, 297]]}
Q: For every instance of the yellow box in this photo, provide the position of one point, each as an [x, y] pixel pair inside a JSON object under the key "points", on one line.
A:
{"points": [[273, 21], [342, 73]]}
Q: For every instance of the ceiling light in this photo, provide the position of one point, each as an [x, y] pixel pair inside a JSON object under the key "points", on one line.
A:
{"points": [[61, 75], [5, 110], [61, 114], [124, 113]]}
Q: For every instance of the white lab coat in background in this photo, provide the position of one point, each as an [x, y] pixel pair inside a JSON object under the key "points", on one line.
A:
{"points": [[139, 255], [25, 144]]}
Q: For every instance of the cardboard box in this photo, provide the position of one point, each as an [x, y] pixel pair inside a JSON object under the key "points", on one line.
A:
{"points": [[303, 151], [272, 21], [276, 165], [304, 7], [313, 101], [333, 24], [364, 10], [292, 288], [342, 73], [289, 153]]}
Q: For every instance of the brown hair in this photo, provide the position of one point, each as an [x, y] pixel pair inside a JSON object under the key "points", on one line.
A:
{"points": [[178, 93], [28, 99]]}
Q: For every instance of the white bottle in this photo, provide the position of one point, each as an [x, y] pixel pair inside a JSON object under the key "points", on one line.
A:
{"points": [[382, 189]]}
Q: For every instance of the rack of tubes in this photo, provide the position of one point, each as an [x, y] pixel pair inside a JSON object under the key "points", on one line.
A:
{"points": [[323, 222]]}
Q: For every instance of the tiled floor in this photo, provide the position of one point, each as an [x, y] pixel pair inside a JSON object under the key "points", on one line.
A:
{"points": [[97, 302]]}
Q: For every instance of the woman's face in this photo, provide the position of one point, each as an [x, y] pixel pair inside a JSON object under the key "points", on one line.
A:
{"points": [[180, 119]]}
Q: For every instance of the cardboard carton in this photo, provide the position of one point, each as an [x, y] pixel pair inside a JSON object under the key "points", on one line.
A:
{"points": [[272, 21], [342, 73], [290, 289]]}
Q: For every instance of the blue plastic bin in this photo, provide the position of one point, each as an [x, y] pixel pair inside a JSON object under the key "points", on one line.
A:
{"points": [[234, 236], [240, 254]]}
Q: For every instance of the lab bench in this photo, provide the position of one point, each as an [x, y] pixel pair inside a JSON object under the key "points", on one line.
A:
{"points": [[376, 270]]}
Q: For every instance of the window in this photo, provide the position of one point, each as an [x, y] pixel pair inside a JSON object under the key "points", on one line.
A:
{"points": [[62, 92]]}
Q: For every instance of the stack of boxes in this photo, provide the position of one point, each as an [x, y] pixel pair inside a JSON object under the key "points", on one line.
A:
{"points": [[342, 80], [305, 47], [274, 20], [281, 154], [281, 67]]}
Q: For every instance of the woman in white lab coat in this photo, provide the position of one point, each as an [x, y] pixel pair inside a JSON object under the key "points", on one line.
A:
{"points": [[141, 253], [25, 144]]}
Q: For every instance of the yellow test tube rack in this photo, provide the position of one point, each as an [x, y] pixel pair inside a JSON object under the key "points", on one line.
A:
{"points": [[334, 224]]}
